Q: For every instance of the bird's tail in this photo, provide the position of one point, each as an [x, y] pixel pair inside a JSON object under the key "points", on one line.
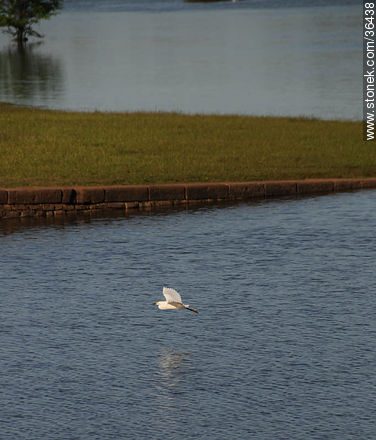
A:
{"points": [[192, 310]]}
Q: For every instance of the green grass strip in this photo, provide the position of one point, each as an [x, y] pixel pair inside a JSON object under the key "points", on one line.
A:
{"points": [[46, 148]]}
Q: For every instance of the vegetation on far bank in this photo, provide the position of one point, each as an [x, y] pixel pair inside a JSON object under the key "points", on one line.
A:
{"points": [[45, 147]]}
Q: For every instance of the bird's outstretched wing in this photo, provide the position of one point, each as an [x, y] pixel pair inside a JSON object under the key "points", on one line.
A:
{"points": [[171, 295]]}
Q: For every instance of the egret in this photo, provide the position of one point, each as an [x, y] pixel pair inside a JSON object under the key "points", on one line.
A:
{"points": [[173, 301]]}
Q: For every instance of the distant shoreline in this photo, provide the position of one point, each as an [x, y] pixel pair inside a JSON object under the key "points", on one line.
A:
{"points": [[89, 110]]}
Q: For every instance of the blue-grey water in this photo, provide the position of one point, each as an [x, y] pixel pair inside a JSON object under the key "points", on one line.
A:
{"points": [[284, 346], [256, 57]]}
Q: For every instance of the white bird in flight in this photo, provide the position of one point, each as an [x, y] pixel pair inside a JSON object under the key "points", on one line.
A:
{"points": [[173, 301]]}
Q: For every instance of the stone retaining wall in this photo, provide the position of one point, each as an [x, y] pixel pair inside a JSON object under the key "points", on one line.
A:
{"points": [[38, 201]]}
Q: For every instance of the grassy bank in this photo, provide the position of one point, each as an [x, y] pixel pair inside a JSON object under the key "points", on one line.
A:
{"points": [[41, 147]]}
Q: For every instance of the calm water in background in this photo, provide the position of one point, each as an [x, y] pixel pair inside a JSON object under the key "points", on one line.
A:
{"points": [[297, 57], [284, 346]]}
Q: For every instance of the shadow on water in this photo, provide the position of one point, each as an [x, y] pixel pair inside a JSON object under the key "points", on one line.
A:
{"points": [[20, 224], [26, 74]]}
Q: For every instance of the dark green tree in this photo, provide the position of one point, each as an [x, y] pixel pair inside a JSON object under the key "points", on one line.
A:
{"points": [[19, 16]]}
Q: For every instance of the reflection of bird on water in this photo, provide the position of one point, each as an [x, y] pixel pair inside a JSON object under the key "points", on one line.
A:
{"points": [[170, 362], [173, 301], [173, 367], [173, 378]]}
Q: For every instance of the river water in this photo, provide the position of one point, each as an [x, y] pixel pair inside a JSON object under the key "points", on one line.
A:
{"points": [[284, 346], [256, 57]]}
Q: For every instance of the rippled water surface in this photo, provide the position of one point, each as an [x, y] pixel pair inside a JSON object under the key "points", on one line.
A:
{"points": [[256, 57], [283, 347]]}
